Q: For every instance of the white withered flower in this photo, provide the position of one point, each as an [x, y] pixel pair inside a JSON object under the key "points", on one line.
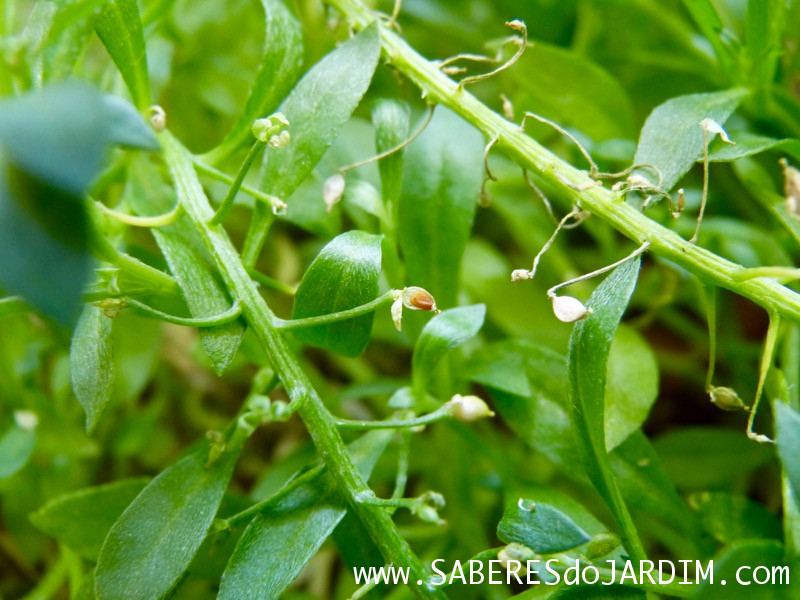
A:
{"points": [[569, 309]]}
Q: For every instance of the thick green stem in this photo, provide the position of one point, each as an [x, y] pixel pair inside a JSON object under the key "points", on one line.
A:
{"points": [[575, 184], [320, 423]]}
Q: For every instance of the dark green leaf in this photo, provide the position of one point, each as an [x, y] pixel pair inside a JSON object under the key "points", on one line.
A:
{"points": [[787, 426], [280, 67], [541, 527], [91, 363], [279, 542], [741, 559], [119, 27], [81, 519], [442, 333], [153, 542], [441, 184], [391, 119], [672, 139], [190, 264], [16, 447], [53, 143], [343, 275], [318, 107]]}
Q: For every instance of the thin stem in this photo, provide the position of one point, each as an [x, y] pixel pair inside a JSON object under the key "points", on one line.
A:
{"points": [[256, 235], [466, 56], [276, 203], [704, 198], [523, 43], [710, 296], [766, 363], [233, 313], [573, 213], [401, 478], [337, 316], [785, 274], [396, 148], [486, 150], [641, 249], [269, 282], [439, 414], [134, 221], [227, 202], [594, 171], [535, 189]]}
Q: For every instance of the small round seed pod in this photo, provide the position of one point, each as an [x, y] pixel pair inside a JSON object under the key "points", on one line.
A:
{"points": [[157, 118], [520, 275], [569, 309], [468, 408], [726, 398], [333, 190]]}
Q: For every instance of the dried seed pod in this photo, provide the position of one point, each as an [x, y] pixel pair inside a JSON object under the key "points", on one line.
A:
{"points": [[417, 298], [333, 190], [726, 398], [569, 309], [714, 128], [791, 188], [520, 275], [468, 408]]}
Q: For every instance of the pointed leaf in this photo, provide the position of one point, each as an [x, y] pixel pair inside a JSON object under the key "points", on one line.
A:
{"points": [[120, 28], [155, 539], [16, 446], [279, 542], [441, 184], [318, 107], [391, 120], [541, 527], [344, 275], [280, 67], [190, 264], [672, 139], [787, 426], [91, 363], [442, 333], [81, 519]]}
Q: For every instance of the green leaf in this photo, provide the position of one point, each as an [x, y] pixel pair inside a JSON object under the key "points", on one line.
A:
{"points": [[280, 67], [731, 517], [541, 527], [589, 349], [16, 446], [391, 120], [343, 275], [766, 22], [119, 27], [672, 139], [91, 363], [318, 107], [748, 144], [153, 542], [189, 262], [82, 519], [787, 426], [708, 21], [441, 184], [53, 143], [747, 556], [442, 333], [631, 386], [279, 542]]}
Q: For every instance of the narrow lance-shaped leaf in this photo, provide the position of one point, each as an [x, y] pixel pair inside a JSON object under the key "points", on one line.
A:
{"points": [[787, 425], [263, 563], [280, 67], [54, 140], [390, 118], [120, 28], [442, 333], [81, 519], [441, 183], [190, 264], [317, 108], [343, 275], [150, 546], [541, 527], [672, 140], [589, 348], [91, 363]]}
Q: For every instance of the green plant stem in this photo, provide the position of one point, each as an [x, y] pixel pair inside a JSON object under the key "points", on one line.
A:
{"points": [[256, 234], [227, 202], [262, 197], [320, 423], [134, 221], [337, 316], [439, 414], [223, 318], [269, 282], [573, 183]]}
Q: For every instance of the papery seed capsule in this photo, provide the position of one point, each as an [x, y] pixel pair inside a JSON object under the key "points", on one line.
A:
{"points": [[333, 190], [468, 408], [791, 188], [417, 298], [569, 309]]}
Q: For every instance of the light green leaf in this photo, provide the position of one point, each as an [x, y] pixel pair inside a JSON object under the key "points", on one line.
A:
{"points": [[631, 386], [91, 363], [119, 26], [343, 275], [189, 262], [731, 517], [441, 184], [748, 144], [672, 139], [81, 519], [541, 527], [153, 542], [589, 348], [391, 120], [787, 426], [54, 140], [16, 446], [318, 107], [279, 542], [442, 333], [280, 67], [741, 559]]}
